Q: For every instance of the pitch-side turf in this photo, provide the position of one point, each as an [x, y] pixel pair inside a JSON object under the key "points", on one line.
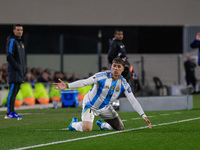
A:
{"points": [[46, 129]]}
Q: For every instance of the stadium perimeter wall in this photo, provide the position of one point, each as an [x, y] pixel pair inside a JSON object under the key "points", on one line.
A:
{"points": [[164, 66], [104, 12], [160, 103]]}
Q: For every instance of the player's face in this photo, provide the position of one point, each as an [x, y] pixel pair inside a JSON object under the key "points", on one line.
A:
{"points": [[117, 69], [18, 31], [119, 35]]}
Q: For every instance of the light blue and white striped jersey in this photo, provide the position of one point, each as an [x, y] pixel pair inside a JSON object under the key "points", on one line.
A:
{"points": [[105, 89]]}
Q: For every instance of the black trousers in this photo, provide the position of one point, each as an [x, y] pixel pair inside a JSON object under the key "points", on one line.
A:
{"points": [[191, 80], [14, 88]]}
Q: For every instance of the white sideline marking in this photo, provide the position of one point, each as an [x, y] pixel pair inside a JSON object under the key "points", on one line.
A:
{"points": [[50, 129], [92, 136], [141, 118], [164, 114], [178, 112], [135, 118], [22, 114], [30, 113], [124, 120], [150, 116]]}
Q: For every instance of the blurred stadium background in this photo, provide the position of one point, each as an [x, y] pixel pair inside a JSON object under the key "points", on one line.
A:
{"points": [[60, 35], [73, 37]]}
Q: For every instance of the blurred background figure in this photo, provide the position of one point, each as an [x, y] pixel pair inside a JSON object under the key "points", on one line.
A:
{"points": [[104, 68], [44, 77], [73, 77], [115, 45], [190, 72], [2, 80], [90, 74], [196, 44], [129, 74], [48, 71], [4, 69], [56, 76], [30, 77], [65, 76], [39, 73]]}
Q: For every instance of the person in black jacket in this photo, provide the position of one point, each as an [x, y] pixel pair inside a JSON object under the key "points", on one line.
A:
{"points": [[116, 46], [16, 68], [129, 74]]}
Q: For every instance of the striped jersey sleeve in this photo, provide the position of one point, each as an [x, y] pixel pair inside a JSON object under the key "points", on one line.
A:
{"points": [[133, 101]]}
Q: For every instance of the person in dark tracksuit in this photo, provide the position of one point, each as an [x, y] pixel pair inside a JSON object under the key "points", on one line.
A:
{"points": [[116, 46], [16, 68]]}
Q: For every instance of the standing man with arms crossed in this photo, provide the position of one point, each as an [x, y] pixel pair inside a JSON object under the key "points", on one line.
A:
{"points": [[196, 44], [116, 46], [16, 68], [108, 85]]}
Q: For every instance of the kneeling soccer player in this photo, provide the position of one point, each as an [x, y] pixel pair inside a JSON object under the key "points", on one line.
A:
{"points": [[108, 86]]}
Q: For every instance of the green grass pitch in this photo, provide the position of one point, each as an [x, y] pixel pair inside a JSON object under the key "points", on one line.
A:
{"points": [[45, 129]]}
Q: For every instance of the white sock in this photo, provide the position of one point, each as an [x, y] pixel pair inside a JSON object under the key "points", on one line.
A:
{"points": [[106, 126], [77, 126]]}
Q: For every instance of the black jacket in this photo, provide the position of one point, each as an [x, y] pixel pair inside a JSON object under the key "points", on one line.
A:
{"points": [[190, 68], [116, 47], [126, 73], [16, 60]]}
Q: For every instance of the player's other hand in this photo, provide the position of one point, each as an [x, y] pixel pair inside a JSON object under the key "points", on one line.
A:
{"points": [[198, 36], [60, 86], [148, 122]]}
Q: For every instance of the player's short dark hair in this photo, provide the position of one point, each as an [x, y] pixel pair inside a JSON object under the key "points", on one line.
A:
{"points": [[118, 60], [17, 25], [117, 30]]}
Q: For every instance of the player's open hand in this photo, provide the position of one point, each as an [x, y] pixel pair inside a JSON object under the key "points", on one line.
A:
{"points": [[60, 86], [148, 122]]}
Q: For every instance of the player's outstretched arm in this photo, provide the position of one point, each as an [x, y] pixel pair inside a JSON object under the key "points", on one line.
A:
{"points": [[136, 105], [148, 122], [60, 86]]}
